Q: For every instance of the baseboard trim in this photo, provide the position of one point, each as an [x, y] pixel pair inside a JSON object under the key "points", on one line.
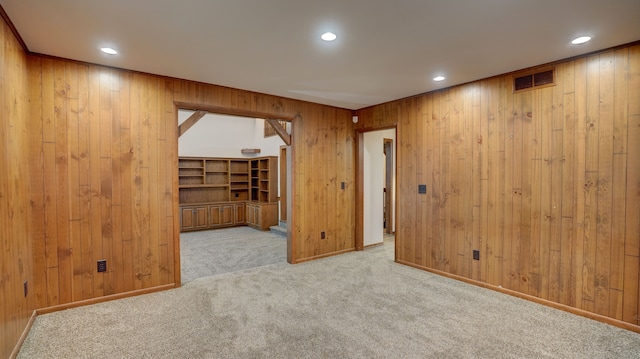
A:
{"points": [[307, 259], [531, 298], [106, 298], [23, 336]]}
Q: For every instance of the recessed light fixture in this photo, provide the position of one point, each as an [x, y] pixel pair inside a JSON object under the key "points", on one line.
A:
{"points": [[328, 36], [108, 50], [581, 40], [438, 78]]}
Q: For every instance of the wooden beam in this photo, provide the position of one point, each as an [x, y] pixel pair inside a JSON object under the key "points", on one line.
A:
{"points": [[192, 120], [236, 112], [281, 131]]}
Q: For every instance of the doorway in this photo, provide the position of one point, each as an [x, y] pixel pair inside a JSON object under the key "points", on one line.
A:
{"points": [[235, 137], [377, 174]]}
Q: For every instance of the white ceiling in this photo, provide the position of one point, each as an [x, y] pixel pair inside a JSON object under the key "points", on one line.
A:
{"points": [[385, 49]]}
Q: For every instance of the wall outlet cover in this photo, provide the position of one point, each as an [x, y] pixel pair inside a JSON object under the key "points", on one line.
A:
{"points": [[102, 265], [476, 255]]}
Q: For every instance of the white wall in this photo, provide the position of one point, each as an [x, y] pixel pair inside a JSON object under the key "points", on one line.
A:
{"points": [[374, 178], [224, 136]]}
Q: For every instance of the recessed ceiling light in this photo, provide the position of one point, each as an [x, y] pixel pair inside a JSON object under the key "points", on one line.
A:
{"points": [[581, 40], [108, 50], [438, 78], [328, 36]]}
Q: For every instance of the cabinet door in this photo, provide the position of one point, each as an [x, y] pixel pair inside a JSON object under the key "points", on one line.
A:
{"points": [[257, 214], [226, 215], [215, 216], [239, 211], [193, 218], [250, 214], [200, 214], [220, 215], [187, 218]]}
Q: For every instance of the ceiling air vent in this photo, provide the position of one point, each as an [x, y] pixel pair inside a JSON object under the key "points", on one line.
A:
{"points": [[533, 80]]}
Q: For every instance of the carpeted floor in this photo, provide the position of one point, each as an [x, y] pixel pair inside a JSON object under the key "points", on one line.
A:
{"points": [[207, 253], [355, 305]]}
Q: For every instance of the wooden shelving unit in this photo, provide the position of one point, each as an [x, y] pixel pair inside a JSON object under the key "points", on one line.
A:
{"points": [[239, 180], [221, 192], [264, 183]]}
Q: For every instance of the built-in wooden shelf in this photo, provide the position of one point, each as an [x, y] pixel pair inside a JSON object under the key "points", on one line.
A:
{"points": [[223, 192]]}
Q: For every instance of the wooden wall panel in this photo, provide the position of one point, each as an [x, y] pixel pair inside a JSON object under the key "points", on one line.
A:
{"points": [[89, 172], [16, 265], [108, 176], [545, 183], [320, 204]]}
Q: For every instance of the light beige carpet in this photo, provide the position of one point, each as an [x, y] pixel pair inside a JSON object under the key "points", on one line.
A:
{"points": [[355, 305], [218, 251]]}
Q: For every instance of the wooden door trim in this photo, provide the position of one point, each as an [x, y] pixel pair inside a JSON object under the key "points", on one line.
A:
{"points": [[359, 190], [283, 183], [388, 181]]}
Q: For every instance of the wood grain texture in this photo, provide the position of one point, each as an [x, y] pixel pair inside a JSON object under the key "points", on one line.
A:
{"points": [[89, 172], [552, 186], [110, 166], [16, 149]]}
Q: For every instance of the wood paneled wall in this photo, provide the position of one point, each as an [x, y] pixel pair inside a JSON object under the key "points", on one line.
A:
{"points": [[545, 183], [103, 187], [15, 246], [323, 158], [103, 184], [89, 172]]}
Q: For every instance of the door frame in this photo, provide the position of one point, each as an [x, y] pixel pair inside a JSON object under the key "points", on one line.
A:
{"points": [[283, 183], [389, 153], [359, 239], [221, 110]]}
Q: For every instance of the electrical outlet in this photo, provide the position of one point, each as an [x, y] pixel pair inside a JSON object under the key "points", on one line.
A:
{"points": [[476, 255], [102, 265], [422, 188], [322, 235], [26, 288], [342, 185]]}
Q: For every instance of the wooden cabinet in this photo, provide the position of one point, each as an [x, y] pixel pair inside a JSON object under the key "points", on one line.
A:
{"points": [[221, 215], [264, 179], [206, 180], [262, 215], [239, 213], [193, 217], [239, 180], [252, 214], [223, 192]]}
